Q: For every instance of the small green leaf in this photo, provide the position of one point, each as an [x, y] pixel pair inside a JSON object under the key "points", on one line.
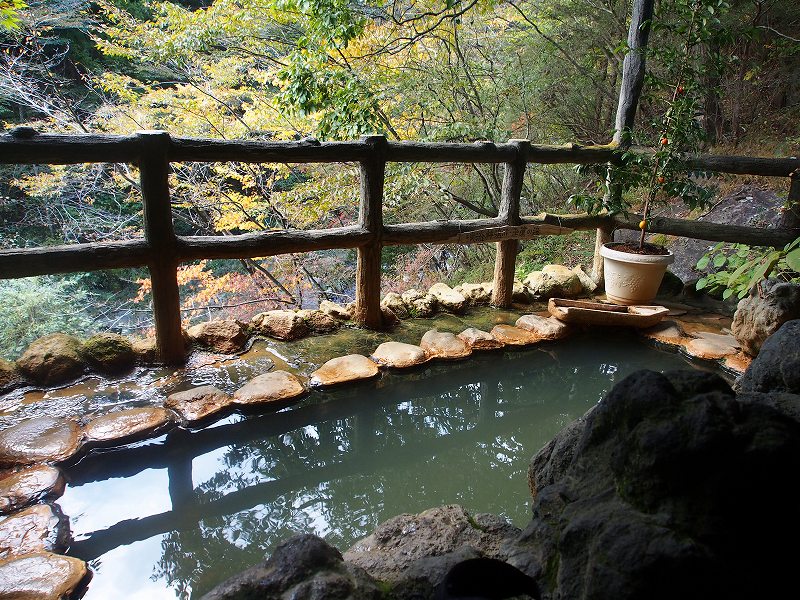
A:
{"points": [[793, 259], [701, 283], [703, 262], [727, 293], [719, 260]]}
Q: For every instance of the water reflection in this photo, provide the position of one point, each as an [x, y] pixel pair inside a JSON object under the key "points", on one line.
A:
{"points": [[219, 499]]}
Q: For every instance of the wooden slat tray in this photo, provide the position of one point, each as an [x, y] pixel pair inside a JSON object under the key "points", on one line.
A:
{"points": [[597, 313]]}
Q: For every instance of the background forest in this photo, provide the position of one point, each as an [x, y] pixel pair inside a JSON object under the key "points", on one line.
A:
{"points": [[443, 70]]}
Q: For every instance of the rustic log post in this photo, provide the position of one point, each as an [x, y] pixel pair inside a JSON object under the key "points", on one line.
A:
{"points": [[370, 217], [160, 236], [790, 219], [633, 70], [505, 260]]}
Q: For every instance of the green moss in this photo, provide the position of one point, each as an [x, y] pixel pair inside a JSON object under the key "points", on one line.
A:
{"points": [[109, 352]]}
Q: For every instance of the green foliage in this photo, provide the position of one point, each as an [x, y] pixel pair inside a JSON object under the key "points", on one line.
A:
{"points": [[737, 268], [572, 249], [36, 306]]}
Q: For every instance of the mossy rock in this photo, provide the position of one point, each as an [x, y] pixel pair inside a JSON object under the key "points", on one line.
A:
{"points": [[53, 359], [109, 352]]}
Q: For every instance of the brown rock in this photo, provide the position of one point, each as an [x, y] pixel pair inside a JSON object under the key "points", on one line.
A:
{"points": [[342, 369], [545, 328], [439, 344], [223, 335], [41, 576], [9, 376], [475, 293], [666, 332], [127, 424], [480, 340], [399, 355], [42, 439], [318, 321], [37, 528], [520, 293], [709, 349], [270, 387], [109, 352], [280, 324], [337, 311], [419, 303], [52, 359], [145, 350], [30, 485], [513, 336], [198, 403], [738, 362], [394, 302], [447, 298]]}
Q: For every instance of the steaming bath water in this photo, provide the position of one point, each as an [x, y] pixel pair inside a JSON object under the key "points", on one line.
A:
{"points": [[178, 514]]}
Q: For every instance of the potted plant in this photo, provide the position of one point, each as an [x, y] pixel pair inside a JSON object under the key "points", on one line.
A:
{"points": [[633, 271]]}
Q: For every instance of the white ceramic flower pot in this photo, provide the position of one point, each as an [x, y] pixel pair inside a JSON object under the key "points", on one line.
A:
{"points": [[632, 278]]}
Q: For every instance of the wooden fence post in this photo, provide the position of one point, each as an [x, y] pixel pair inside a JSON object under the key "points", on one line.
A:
{"points": [[791, 210], [633, 71], [370, 217], [505, 260], [160, 237]]}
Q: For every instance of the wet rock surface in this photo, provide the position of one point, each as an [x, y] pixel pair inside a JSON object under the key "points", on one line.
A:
{"points": [[30, 485], [53, 359], [124, 425], [513, 336], [711, 348], [270, 387], [198, 403], [9, 376], [399, 355], [545, 328], [759, 314], [318, 321], [478, 339], [413, 553], [301, 567], [440, 344], [777, 366], [41, 576], [342, 369], [223, 335], [39, 528], [668, 333], [43, 439]]}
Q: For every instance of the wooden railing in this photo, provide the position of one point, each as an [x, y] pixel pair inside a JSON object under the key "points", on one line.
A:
{"points": [[162, 251]]}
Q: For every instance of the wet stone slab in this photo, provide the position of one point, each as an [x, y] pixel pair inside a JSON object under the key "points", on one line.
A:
{"points": [[38, 528], [709, 349], [668, 333], [477, 339], [30, 485], [440, 344], [399, 355], [43, 439], [353, 367], [270, 387], [198, 403], [514, 336], [41, 576], [127, 424], [545, 328]]}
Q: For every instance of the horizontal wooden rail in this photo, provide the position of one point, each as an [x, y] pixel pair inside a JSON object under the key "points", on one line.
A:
{"points": [[162, 251]]}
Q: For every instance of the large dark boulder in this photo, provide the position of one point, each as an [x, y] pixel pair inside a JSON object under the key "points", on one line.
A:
{"points": [[303, 567], [769, 305], [674, 490], [777, 367]]}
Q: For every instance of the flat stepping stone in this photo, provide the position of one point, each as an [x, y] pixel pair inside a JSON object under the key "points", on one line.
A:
{"points": [[398, 355], [666, 332], [477, 339], [545, 328], [709, 349], [198, 403], [720, 338], [440, 344], [270, 387], [514, 336], [738, 362], [35, 529], [43, 439], [41, 576], [353, 367], [30, 485], [126, 424]]}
